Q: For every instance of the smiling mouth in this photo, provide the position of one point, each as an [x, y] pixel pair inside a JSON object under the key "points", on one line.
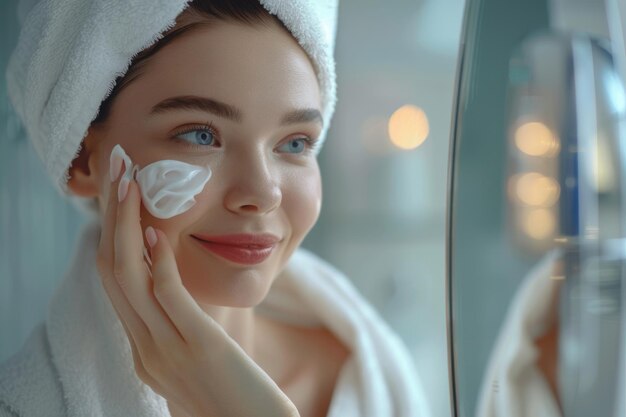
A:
{"points": [[240, 249]]}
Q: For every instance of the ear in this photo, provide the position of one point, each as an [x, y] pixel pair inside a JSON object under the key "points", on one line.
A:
{"points": [[84, 181]]}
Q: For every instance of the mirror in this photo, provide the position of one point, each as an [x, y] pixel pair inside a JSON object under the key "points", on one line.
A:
{"points": [[536, 253]]}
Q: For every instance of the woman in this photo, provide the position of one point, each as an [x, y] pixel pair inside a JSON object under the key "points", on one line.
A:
{"points": [[224, 317]]}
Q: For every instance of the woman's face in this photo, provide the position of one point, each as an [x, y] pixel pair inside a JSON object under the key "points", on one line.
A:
{"points": [[257, 103]]}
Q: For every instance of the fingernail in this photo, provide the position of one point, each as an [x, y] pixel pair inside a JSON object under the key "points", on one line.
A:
{"points": [[151, 236], [115, 164], [122, 189]]}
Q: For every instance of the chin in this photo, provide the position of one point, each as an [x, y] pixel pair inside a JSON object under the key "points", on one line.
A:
{"points": [[243, 291]]}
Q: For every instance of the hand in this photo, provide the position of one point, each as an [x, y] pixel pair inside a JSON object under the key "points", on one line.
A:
{"points": [[178, 349]]}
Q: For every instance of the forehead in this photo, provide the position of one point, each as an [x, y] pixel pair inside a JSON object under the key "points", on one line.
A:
{"points": [[248, 66]]}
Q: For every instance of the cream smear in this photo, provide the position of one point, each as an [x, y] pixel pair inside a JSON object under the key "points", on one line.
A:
{"points": [[168, 187]]}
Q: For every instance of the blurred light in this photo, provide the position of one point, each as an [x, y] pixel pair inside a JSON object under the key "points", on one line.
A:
{"points": [[615, 90], [534, 189], [408, 127], [539, 223], [602, 166], [536, 139]]}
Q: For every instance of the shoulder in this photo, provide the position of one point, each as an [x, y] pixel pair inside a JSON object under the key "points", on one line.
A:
{"points": [[29, 385]]}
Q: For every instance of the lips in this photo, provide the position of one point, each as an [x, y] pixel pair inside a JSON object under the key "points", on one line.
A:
{"points": [[246, 249]]}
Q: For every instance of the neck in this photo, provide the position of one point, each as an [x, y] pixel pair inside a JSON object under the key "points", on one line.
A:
{"points": [[239, 323]]}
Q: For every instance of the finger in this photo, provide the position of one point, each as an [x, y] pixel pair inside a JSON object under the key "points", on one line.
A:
{"points": [[131, 273], [126, 314], [178, 304], [105, 248]]}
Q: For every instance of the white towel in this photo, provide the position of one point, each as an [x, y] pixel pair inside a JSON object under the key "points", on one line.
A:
{"points": [[70, 52], [513, 386], [95, 366]]}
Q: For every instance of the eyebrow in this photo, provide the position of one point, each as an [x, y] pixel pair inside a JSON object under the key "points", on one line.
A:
{"points": [[227, 111]]}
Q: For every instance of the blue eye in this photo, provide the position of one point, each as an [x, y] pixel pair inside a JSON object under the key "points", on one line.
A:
{"points": [[295, 145], [202, 136]]}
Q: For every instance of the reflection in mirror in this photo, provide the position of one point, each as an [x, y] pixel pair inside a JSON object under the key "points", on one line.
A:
{"points": [[576, 100], [557, 335], [382, 223]]}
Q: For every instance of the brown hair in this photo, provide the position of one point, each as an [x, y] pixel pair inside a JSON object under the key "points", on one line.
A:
{"points": [[248, 12]]}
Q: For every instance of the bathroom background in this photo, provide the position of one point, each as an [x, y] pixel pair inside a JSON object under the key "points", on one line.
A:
{"points": [[384, 167]]}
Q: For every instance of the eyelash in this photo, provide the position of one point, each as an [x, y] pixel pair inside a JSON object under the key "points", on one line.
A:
{"points": [[208, 126], [311, 143]]}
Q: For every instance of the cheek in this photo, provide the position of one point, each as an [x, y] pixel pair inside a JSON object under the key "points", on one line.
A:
{"points": [[302, 199], [171, 227]]}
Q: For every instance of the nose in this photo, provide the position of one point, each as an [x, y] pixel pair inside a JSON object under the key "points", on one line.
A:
{"points": [[253, 187]]}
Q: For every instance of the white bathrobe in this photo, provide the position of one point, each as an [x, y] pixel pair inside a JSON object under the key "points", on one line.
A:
{"points": [[513, 385], [78, 362]]}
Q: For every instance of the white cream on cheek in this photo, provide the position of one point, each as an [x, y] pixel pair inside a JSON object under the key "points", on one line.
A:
{"points": [[167, 187]]}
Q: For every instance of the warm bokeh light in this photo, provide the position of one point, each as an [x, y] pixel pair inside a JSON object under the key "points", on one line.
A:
{"points": [[535, 189], [408, 127], [536, 139], [539, 223]]}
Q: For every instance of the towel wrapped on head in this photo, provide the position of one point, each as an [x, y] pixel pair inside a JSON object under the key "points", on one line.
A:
{"points": [[70, 53]]}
